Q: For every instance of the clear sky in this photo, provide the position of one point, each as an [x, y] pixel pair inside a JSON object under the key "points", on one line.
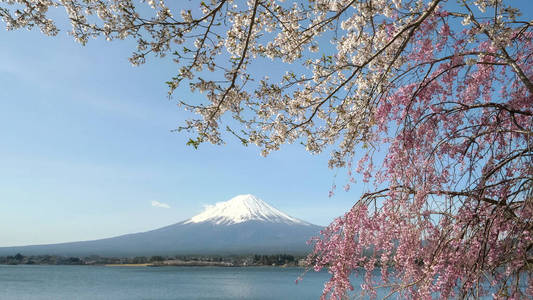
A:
{"points": [[86, 146]]}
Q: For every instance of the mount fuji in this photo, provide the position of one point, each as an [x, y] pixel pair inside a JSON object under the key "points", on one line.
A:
{"points": [[242, 225]]}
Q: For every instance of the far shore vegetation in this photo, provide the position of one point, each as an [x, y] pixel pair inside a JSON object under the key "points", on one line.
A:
{"points": [[281, 260]]}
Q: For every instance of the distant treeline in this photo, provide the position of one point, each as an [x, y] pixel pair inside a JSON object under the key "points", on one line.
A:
{"points": [[233, 260], [19, 259]]}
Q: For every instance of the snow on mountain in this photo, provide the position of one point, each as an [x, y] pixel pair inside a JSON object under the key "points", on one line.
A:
{"points": [[243, 208]]}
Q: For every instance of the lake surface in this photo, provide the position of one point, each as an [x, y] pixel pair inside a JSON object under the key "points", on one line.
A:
{"points": [[98, 282]]}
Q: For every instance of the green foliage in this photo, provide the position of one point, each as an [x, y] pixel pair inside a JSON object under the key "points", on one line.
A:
{"points": [[195, 143], [157, 258]]}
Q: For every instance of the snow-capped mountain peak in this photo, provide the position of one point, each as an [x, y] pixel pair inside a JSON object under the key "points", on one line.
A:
{"points": [[243, 208]]}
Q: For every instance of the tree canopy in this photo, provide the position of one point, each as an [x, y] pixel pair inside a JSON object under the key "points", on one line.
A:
{"points": [[431, 101]]}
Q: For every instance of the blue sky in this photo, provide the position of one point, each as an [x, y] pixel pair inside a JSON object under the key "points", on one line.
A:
{"points": [[86, 146]]}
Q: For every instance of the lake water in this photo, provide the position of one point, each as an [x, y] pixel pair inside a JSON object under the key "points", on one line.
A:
{"points": [[98, 282]]}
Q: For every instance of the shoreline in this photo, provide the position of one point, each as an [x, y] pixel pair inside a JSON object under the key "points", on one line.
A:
{"points": [[272, 260], [164, 265], [122, 265]]}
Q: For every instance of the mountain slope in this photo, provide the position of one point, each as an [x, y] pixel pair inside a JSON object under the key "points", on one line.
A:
{"points": [[244, 224]]}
